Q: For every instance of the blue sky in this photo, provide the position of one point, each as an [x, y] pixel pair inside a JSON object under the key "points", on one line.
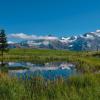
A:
{"points": [[56, 17]]}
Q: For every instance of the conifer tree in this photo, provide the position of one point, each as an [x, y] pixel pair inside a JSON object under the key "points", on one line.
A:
{"points": [[3, 43]]}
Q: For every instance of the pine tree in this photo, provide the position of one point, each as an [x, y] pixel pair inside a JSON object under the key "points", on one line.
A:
{"points": [[3, 43]]}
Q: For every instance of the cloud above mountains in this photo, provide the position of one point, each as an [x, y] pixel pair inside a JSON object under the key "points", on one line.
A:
{"points": [[30, 37], [22, 36]]}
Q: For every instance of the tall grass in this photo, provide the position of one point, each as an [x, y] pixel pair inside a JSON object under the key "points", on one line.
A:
{"points": [[83, 87]]}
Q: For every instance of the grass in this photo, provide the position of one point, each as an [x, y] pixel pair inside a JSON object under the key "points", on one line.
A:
{"points": [[85, 61], [83, 87]]}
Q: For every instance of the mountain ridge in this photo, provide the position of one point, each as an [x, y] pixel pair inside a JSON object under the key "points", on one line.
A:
{"points": [[87, 41]]}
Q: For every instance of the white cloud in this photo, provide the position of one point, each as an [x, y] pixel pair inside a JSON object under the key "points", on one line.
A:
{"points": [[97, 31], [30, 37], [10, 42]]}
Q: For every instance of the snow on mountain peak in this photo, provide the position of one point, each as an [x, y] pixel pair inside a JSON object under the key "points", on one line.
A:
{"points": [[46, 42], [87, 41], [68, 39], [88, 36]]}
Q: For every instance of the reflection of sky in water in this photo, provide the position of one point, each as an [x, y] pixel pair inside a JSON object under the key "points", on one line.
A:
{"points": [[47, 70], [49, 74]]}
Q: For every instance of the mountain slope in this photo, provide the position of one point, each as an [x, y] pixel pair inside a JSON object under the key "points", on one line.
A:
{"points": [[87, 41]]}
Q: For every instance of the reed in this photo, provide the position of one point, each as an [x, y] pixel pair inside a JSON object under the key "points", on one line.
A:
{"points": [[83, 87]]}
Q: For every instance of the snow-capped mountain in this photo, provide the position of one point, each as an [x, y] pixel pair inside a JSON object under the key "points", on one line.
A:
{"points": [[44, 44], [87, 41]]}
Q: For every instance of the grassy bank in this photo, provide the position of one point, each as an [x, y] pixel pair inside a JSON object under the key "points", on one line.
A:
{"points": [[85, 61]]}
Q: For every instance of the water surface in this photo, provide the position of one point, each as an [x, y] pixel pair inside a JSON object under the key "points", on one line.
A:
{"points": [[47, 70]]}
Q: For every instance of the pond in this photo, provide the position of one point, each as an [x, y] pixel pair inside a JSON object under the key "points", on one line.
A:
{"points": [[47, 70]]}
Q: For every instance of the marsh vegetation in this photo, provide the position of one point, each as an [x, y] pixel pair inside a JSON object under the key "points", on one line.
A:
{"points": [[85, 86]]}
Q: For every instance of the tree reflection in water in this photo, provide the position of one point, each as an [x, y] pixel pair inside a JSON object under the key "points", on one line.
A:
{"points": [[4, 67]]}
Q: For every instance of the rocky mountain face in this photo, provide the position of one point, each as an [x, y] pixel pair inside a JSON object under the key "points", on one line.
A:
{"points": [[87, 41]]}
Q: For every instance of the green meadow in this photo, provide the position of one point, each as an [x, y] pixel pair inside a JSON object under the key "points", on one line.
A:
{"points": [[85, 86], [84, 61]]}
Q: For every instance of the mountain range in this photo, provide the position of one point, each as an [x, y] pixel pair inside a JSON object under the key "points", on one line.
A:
{"points": [[87, 41]]}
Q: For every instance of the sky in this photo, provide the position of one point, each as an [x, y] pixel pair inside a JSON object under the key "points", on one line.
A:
{"points": [[55, 17]]}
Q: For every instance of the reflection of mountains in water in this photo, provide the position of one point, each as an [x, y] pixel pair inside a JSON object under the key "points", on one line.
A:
{"points": [[52, 65], [47, 70]]}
